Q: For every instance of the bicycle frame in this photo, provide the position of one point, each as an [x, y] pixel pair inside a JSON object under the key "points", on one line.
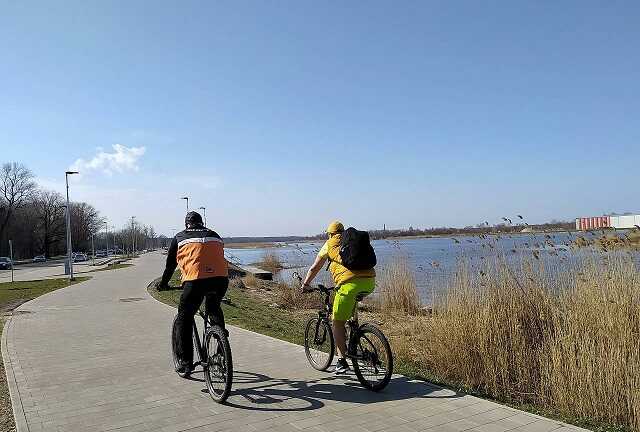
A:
{"points": [[199, 347], [324, 315]]}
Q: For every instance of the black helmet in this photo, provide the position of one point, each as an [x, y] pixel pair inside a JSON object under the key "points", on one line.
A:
{"points": [[193, 219]]}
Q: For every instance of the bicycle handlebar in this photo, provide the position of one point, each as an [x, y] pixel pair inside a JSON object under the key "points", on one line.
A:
{"points": [[321, 288]]}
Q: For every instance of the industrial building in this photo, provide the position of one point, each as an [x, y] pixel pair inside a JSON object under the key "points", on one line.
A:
{"points": [[603, 222]]}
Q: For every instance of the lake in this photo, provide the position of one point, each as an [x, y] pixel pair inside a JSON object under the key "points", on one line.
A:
{"points": [[433, 260]]}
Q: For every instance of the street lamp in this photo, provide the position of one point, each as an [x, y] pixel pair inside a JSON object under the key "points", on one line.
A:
{"points": [[106, 237], [133, 239], [69, 253], [204, 213], [93, 249], [186, 198]]}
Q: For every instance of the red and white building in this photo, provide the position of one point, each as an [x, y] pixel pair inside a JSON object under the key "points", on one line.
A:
{"points": [[603, 222]]}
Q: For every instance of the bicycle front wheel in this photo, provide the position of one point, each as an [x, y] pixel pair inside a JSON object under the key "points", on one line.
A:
{"points": [[373, 360], [319, 344], [218, 371]]}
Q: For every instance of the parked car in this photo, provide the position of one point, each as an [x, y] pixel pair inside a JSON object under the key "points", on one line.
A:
{"points": [[101, 254], [78, 257], [5, 263], [39, 258]]}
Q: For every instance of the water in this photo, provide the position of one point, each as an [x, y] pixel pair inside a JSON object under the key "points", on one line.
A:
{"points": [[434, 260]]}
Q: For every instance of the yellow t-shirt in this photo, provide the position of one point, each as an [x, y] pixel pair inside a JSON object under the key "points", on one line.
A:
{"points": [[340, 274]]}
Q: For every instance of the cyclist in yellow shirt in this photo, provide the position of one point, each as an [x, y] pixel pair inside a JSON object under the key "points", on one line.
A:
{"points": [[349, 284]]}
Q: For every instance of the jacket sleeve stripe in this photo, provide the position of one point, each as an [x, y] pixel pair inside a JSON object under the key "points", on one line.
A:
{"points": [[200, 240]]}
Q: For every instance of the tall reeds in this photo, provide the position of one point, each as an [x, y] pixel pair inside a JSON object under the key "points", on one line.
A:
{"points": [[396, 287], [568, 343]]}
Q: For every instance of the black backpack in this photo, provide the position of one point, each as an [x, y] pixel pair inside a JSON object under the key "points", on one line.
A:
{"points": [[356, 251]]}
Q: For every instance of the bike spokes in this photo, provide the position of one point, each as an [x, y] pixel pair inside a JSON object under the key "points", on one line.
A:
{"points": [[318, 343], [219, 366], [373, 361]]}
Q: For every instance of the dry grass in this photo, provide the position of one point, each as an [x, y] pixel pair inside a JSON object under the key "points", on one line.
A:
{"points": [[569, 344], [251, 281], [290, 296], [396, 287], [271, 262], [607, 242]]}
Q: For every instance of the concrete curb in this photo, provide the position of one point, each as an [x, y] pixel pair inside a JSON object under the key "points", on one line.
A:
{"points": [[12, 384]]}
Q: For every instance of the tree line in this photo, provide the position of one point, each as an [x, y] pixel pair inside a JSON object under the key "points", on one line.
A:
{"points": [[484, 228], [33, 218]]}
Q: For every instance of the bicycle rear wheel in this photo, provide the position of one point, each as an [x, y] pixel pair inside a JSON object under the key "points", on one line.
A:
{"points": [[373, 364], [174, 339], [319, 344], [218, 371]]}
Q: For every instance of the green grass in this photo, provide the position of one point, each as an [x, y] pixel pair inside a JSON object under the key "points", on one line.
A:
{"points": [[248, 312], [112, 267], [15, 293]]}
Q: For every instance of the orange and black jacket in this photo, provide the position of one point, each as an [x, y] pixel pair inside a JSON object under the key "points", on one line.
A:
{"points": [[199, 252]]}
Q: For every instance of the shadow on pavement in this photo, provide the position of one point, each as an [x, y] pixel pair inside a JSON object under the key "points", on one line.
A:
{"points": [[258, 392]]}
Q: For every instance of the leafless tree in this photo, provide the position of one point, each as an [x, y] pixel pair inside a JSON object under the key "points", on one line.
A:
{"points": [[16, 187], [85, 221], [49, 209]]}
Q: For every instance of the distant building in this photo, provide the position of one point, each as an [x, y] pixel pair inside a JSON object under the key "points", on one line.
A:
{"points": [[603, 222]]}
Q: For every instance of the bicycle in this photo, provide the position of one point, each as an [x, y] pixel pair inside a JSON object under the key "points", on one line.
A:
{"points": [[368, 357], [217, 367]]}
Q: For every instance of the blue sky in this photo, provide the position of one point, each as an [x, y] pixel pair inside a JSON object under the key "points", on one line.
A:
{"points": [[280, 116]]}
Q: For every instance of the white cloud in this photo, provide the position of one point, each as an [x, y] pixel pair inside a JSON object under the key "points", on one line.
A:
{"points": [[122, 159]]}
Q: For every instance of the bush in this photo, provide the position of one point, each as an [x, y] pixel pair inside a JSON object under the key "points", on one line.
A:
{"points": [[271, 262]]}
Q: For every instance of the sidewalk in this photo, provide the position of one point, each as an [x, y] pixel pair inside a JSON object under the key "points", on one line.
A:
{"points": [[82, 359]]}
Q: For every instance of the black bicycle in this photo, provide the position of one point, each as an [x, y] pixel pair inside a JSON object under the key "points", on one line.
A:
{"points": [[367, 347], [214, 354]]}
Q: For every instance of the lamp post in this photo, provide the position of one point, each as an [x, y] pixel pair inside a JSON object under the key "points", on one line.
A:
{"points": [[11, 258], [106, 237], [93, 249], [187, 199], [113, 232], [204, 213], [133, 238], [69, 253]]}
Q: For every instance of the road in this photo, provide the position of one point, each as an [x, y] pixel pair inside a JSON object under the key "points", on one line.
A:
{"points": [[46, 270], [95, 357]]}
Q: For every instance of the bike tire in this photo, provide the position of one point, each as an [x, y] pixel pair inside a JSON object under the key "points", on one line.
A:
{"points": [[311, 348], [366, 334], [173, 348], [220, 363]]}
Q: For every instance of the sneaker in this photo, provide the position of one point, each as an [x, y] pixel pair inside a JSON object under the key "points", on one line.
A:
{"points": [[341, 367]]}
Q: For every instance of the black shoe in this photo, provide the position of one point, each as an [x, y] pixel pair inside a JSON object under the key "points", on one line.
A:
{"points": [[342, 367], [185, 368]]}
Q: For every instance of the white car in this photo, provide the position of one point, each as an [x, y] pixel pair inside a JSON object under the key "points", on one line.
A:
{"points": [[39, 258], [78, 257]]}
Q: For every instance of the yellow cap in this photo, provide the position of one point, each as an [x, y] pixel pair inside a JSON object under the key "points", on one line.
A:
{"points": [[335, 227]]}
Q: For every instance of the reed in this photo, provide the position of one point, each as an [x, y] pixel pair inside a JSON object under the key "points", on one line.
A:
{"points": [[569, 343], [396, 288]]}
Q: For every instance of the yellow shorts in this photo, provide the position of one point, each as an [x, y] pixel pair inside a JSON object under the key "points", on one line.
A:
{"points": [[345, 298]]}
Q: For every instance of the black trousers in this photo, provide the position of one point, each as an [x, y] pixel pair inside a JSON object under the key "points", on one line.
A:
{"points": [[212, 290]]}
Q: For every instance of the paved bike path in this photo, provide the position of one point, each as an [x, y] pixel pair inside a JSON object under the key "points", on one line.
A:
{"points": [[95, 357]]}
